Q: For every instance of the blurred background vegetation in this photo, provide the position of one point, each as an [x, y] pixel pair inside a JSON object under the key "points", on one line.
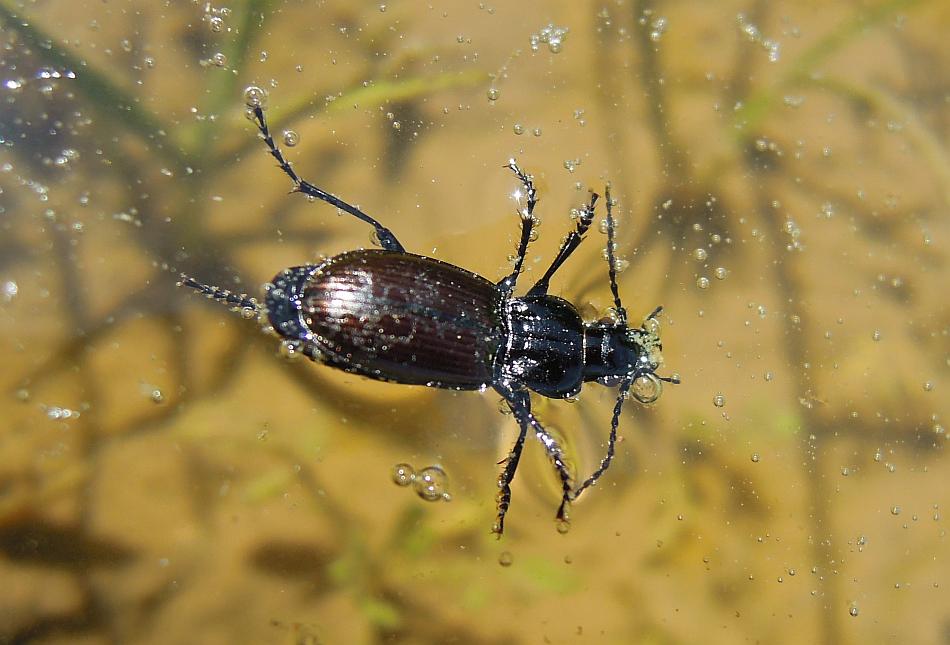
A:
{"points": [[783, 185]]}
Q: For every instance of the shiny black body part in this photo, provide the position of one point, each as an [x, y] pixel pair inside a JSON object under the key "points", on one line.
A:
{"points": [[394, 316]]}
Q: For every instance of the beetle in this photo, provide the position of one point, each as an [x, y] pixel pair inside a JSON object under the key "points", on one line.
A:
{"points": [[391, 315]]}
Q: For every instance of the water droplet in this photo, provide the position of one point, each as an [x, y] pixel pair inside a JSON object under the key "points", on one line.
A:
{"points": [[403, 474], [719, 400], [563, 526], [291, 138]]}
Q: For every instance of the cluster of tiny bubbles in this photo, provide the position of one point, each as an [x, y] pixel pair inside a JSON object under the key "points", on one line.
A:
{"points": [[579, 117], [571, 164], [794, 234], [255, 96], [719, 400], [58, 413], [551, 35], [291, 138], [754, 35], [657, 27], [290, 349]]}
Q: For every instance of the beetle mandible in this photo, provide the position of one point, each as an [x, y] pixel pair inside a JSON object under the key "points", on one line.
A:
{"points": [[395, 316]]}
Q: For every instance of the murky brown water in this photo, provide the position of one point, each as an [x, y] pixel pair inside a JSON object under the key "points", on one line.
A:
{"points": [[783, 182]]}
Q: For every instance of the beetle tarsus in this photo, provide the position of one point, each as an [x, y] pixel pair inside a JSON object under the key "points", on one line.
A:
{"points": [[507, 284]]}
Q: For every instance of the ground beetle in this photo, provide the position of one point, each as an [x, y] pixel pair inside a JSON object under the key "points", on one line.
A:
{"points": [[395, 316]]}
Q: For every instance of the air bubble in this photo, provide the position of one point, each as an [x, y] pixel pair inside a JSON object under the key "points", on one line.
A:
{"points": [[255, 96], [646, 388], [157, 396], [700, 254], [403, 474], [219, 59], [721, 273], [719, 400], [493, 94], [702, 282], [291, 138], [430, 484], [518, 128], [505, 559]]}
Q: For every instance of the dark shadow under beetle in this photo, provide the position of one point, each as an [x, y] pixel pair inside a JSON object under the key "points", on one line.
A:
{"points": [[405, 318]]}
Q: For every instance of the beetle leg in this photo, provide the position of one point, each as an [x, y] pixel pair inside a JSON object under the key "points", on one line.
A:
{"points": [[386, 237], [520, 404], [511, 463], [611, 441], [612, 262], [527, 222], [571, 242]]}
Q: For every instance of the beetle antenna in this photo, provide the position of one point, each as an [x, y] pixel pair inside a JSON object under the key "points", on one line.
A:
{"points": [[675, 380], [221, 295], [611, 260], [611, 441]]}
